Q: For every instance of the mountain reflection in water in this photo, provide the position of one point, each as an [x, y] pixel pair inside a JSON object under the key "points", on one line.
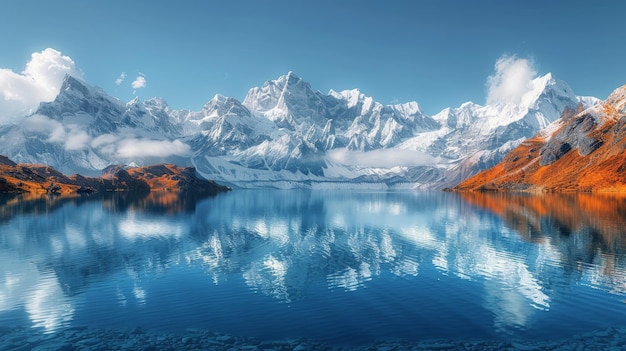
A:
{"points": [[385, 265], [587, 231]]}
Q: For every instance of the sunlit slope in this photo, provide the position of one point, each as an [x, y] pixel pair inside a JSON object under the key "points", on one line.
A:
{"points": [[43, 179], [171, 177], [582, 151]]}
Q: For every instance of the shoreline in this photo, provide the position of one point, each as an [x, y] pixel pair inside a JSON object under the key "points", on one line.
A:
{"points": [[87, 338]]}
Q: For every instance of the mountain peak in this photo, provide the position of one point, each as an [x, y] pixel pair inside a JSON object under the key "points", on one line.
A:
{"points": [[132, 102], [292, 75], [411, 107], [352, 97], [290, 81], [219, 98], [550, 82], [220, 101], [156, 102], [280, 94], [74, 85], [617, 101]]}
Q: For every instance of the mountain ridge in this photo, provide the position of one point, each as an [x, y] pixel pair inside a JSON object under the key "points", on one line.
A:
{"points": [[284, 134]]}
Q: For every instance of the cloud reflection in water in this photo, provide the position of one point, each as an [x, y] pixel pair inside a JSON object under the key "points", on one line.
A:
{"points": [[283, 244]]}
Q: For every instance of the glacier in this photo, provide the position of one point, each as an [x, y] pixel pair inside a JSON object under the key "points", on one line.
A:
{"points": [[285, 134]]}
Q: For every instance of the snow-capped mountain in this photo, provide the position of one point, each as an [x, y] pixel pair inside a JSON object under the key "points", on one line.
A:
{"points": [[478, 136], [582, 151], [285, 134]]}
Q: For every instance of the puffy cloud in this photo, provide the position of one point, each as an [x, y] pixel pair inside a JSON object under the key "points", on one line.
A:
{"points": [[120, 79], [383, 158], [77, 139], [21, 93], [139, 82], [511, 80], [103, 140]]}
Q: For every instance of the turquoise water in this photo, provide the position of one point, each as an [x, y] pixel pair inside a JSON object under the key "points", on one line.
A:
{"points": [[342, 268]]}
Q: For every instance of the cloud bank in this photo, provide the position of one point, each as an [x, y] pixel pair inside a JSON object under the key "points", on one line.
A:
{"points": [[383, 158], [131, 147], [21, 93], [139, 147], [72, 136], [511, 80]]}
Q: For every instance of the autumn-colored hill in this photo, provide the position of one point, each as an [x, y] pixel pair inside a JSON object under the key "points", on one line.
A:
{"points": [[584, 151], [42, 179], [171, 177]]}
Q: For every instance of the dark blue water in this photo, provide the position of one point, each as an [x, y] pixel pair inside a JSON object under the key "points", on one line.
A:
{"points": [[339, 267]]}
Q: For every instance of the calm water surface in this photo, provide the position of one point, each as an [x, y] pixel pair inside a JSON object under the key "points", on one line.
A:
{"points": [[339, 267]]}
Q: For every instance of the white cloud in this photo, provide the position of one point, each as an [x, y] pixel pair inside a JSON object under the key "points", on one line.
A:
{"points": [[42, 124], [511, 80], [72, 136], [77, 139], [120, 79], [103, 140], [136, 148], [139, 82], [383, 158], [21, 93]]}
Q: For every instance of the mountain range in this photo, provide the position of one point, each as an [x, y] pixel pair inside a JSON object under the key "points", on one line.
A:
{"points": [[286, 135], [583, 151]]}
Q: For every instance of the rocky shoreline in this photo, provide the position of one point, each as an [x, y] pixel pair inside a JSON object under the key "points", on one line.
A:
{"points": [[92, 339]]}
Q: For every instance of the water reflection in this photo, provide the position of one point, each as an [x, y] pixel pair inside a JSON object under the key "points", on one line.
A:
{"points": [[508, 261], [584, 233]]}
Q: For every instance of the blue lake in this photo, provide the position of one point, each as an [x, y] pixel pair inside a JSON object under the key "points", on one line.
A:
{"points": [[341, 267]]}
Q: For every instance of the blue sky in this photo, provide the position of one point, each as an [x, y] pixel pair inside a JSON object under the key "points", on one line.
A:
{"points": [[438, 53]]}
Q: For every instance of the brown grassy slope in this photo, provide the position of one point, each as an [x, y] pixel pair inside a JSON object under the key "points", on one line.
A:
{"points": [[35, 179], [596, 161], [169, 177], [42, 179]]}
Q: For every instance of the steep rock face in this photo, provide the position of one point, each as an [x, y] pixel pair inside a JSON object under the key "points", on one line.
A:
{"points": [[582, 151]]}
